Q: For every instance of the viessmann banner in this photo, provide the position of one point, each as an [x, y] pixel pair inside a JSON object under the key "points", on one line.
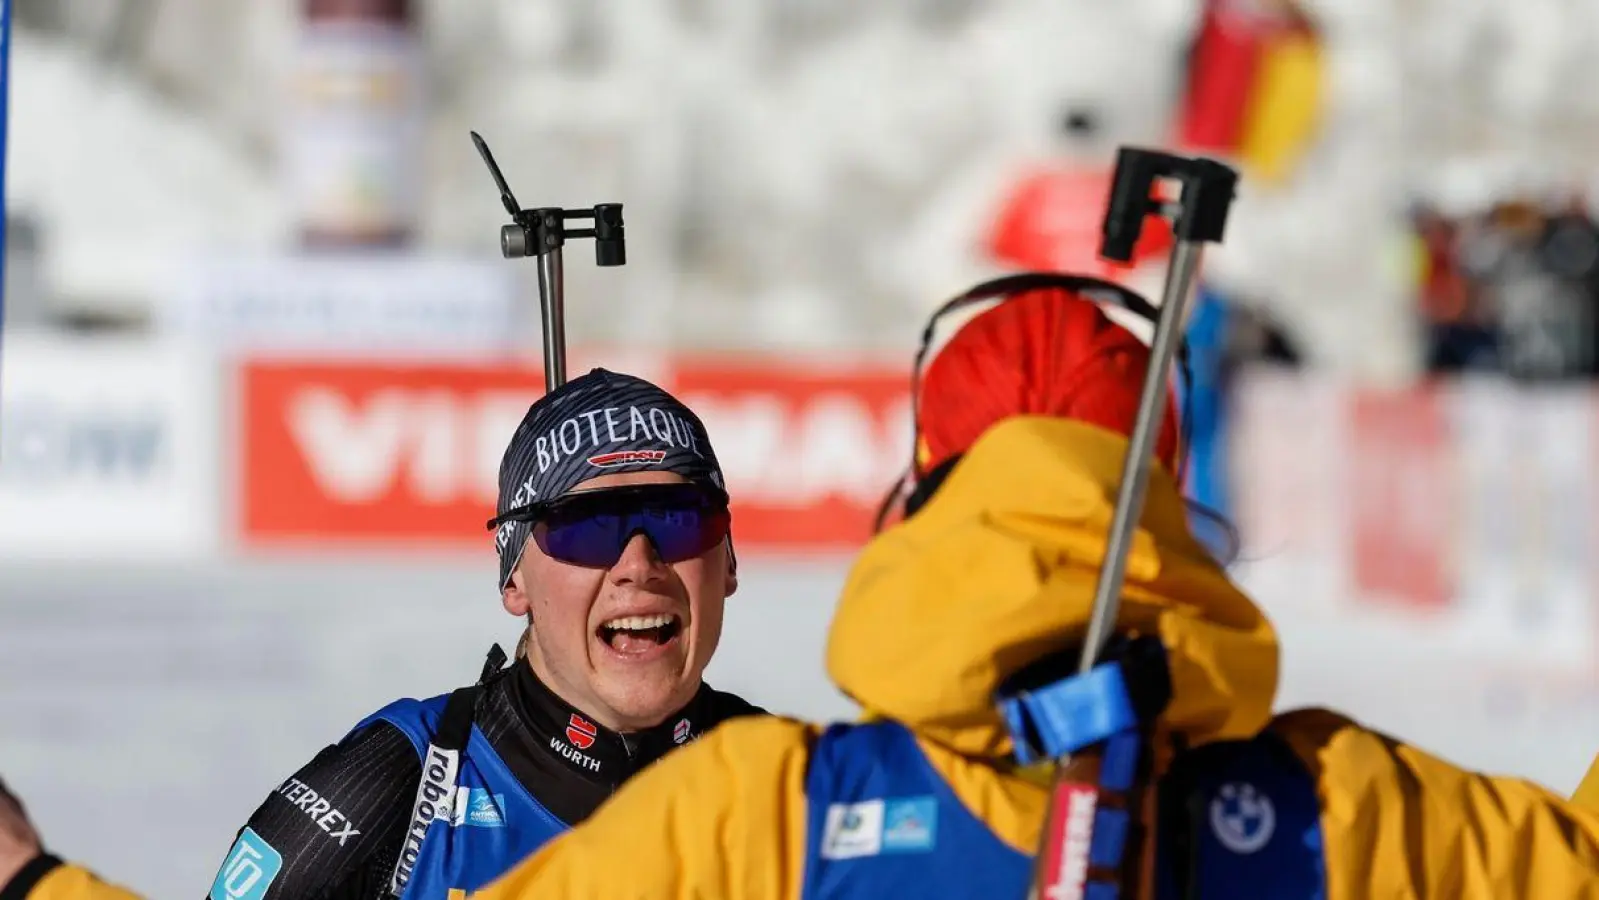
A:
{"points": [[1471, 505], [406, 453]]}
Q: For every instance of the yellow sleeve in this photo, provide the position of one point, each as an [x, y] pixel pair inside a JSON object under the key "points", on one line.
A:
{"points": [[1399, 822], [722, 818], [70, 882], [1587, 793]]}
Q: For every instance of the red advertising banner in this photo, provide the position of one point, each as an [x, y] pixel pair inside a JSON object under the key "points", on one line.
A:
{"points": [[370, 452], [393, 453], [809, 451], [1403, 510]]}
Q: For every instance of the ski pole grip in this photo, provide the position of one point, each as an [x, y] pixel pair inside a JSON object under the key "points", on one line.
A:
{"points": [[610, 242], [1207, 196], [1136, 171], [1208, 189]]}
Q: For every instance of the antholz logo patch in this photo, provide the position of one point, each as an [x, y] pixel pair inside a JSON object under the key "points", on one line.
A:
{"points": [[433, 801], [628, 458]]}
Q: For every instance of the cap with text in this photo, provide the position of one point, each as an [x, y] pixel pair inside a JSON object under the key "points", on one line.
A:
{"points": [[597, 424]]}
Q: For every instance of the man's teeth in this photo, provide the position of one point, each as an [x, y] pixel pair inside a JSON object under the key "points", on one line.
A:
{"points": [[640, 623]]}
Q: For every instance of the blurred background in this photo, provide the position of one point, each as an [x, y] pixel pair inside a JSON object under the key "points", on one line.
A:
{"points": [[261, 353]]}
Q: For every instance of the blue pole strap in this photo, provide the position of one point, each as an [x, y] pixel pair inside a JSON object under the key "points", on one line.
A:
{"points": [[1105, 707], [1070, 714]]}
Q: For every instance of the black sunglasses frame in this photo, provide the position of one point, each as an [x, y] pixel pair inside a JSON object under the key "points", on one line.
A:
{"points": [[531, 513]]}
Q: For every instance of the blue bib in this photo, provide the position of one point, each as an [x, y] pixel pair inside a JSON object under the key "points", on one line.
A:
{"points": [[1244, 821], [1253, 824], [490, 822], [883, 823]]}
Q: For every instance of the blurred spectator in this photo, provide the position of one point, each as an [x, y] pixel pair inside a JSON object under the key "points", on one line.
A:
{"points": [[1569, 251], [1457, 335], [1512, 290]]}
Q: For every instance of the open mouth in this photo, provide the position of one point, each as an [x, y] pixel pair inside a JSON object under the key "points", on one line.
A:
{"points": [[640, 634]]}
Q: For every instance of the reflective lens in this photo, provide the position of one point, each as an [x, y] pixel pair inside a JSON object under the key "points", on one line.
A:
{"points": [[591, 528]]}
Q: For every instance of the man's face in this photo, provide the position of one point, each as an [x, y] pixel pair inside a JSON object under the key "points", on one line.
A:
{"points": [[626, 645]]}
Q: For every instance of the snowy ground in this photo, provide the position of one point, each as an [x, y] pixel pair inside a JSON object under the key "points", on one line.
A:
{"points": [[143, 715]]}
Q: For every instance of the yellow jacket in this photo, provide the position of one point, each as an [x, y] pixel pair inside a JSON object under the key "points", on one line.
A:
{"points": [[997, 571], [71, 882], [1587, 793]]}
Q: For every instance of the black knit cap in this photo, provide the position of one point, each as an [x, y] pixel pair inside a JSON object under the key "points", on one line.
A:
{"points": [[600, 423]]}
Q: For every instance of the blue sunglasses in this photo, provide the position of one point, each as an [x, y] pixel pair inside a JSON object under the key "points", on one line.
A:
{"points": [[592, 528]]}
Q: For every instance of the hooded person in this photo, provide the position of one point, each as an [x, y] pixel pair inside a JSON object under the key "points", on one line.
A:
{"points": [[1023, 423]]}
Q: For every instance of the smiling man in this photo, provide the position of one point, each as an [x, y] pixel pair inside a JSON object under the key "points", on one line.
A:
{"points": [[614, 545]]}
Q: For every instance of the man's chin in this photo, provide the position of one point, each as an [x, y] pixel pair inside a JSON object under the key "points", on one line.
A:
{"points": [[646, 702]]}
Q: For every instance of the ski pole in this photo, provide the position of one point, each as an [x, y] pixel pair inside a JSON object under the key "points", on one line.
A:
{"points": [[1199, 216], [542, 232]]}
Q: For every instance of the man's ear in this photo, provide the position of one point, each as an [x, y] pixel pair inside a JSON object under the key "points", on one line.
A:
{"points": [[514, 596]]}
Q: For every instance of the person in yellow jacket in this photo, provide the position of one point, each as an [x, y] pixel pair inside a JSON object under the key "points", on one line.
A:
{"points": [[27, 872], [1022, 423]]}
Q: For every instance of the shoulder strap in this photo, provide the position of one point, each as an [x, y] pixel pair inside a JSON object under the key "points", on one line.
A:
{"points": [[455, 724], [441, 766]]}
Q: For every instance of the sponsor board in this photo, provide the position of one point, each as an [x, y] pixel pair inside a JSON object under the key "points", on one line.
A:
{"points": [[381, 452], [1467, 507], [1287, 473], [1458, 513], [1402, 482], [808, 452], [348, 305], [401, 452], [108, 450]]}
